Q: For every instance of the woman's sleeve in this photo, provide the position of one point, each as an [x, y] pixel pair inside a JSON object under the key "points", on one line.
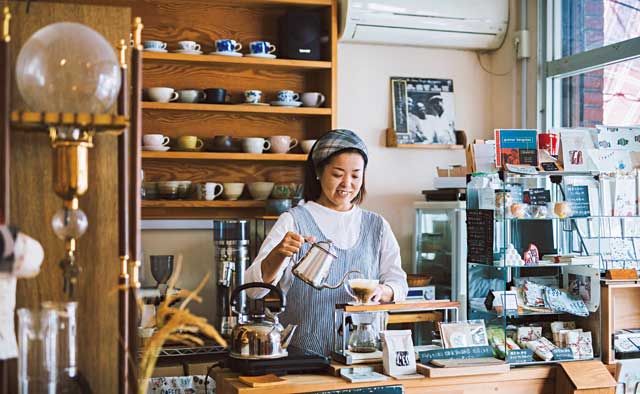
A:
{"points": [[283, 225], [391, 272]]}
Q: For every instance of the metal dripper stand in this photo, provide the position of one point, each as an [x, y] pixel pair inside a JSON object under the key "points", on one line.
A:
{"points": [[231, 244]]}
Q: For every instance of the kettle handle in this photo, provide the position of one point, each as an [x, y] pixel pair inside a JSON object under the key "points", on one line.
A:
{"points": [[237, 290]]}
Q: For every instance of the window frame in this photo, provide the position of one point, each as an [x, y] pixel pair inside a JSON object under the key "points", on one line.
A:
{"points": [[554, 67]]}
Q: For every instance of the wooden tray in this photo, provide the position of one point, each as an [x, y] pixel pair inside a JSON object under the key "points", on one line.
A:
{"points": [[435, 372], [262, 381]]}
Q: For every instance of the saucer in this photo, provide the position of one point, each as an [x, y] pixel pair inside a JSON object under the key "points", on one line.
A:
{"points": [[157, 50], [262, 55], [234, 54], [187, 52], [286, 103], [254, 103], [156, 148]]}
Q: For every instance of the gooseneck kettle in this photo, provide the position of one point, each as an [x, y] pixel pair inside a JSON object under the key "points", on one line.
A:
{"points": [[313, 268]]}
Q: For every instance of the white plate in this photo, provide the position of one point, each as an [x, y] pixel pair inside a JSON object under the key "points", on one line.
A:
{"points": [[188, 52], [262, 55], [234, 54], [286, 103], [157, 50], [156, 148], [253, 104]]}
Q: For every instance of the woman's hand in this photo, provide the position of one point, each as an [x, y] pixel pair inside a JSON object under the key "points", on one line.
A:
{"points": [[291, 244], [382, 293]]}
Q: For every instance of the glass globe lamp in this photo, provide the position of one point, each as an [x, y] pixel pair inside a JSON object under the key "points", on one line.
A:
{"points": [[68, 67]]}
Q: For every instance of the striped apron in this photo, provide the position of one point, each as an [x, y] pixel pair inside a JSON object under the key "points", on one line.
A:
{"points": [[311, 309]]}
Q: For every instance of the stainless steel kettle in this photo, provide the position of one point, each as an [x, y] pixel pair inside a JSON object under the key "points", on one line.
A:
{"points": [[257, 336], [313, 268]]}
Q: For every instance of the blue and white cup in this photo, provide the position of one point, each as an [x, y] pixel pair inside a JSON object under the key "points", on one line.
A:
{"points": [[189, 45], [252, 96], [227, 45], [154, 44], [288, 96], [261, 47]]}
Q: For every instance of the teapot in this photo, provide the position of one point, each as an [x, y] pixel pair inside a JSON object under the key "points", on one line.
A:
{"points": [[256, 337], [313, 268]]}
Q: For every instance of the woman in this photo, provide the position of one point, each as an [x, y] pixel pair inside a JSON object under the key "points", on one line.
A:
{"points": [[334, 187]]}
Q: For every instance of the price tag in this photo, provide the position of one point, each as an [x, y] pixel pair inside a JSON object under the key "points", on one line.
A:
{"points": [[562, 353], [518, 356]]}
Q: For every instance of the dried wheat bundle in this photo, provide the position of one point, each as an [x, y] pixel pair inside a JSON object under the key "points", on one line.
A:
{"points": [[176, 324]]}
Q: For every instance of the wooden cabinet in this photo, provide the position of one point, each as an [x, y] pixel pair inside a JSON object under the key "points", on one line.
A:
{"points": [[244, 21], [620, 310]]}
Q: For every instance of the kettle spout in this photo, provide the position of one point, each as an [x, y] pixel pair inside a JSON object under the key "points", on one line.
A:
{"points": [[287, 334]]}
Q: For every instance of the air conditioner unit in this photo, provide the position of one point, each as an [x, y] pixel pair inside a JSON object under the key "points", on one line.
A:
{"points": [[464, 24]]}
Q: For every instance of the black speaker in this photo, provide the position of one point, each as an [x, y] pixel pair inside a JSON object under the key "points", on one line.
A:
{"points": [[300, 35]]}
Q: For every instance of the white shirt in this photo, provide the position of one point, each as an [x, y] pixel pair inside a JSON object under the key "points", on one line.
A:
{"points": [[343, 228]]}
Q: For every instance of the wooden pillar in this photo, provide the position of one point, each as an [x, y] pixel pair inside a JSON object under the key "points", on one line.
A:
{"points": [[123, 231]]}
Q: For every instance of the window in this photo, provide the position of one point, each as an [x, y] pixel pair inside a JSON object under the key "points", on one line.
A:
{"points": [[593, 73]]}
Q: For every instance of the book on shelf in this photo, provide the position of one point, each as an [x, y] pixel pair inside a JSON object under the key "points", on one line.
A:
{"points": [[516, 146]]}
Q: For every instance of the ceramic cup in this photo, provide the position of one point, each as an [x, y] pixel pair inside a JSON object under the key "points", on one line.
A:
{"points": [[150, 190], [155, 140], [190, 142], [162, 94], [184, 189], [227, 45], [209, 191], [252, 96], [225, 143], [260, 190], [276, 207], [191, 96], [312, 99], [255, 145], [189, 45], [260, 47], [154, 44], [282, 143], [306, 145], [216, 96], [280, 191], [232, 190], [168, 189], [287, 96]]}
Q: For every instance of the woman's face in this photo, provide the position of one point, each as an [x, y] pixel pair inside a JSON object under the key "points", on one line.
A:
{"points": [[341, 181]]}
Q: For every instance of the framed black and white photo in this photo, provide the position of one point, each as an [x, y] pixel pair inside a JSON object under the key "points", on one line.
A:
{"points": [[399, 104], [427, 113]]}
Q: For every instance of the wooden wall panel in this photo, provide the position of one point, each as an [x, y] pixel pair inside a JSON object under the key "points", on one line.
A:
{"points": [[33, 203]]}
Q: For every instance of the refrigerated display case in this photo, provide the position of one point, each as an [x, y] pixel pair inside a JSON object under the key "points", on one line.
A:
{"points": [[439, 249]]}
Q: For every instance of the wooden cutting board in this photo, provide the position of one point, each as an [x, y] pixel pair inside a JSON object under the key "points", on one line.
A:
{"points": [[262, 381]]}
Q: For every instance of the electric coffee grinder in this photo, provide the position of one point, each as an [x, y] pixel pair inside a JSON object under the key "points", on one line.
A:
{"points": [[231, 251]]}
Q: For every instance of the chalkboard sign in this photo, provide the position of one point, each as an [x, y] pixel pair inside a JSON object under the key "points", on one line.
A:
{"points": [[537, 196], [458, 352], [518, 356], [397, 389], [578, 198], [562, 353], [550, 166], [480, 235]]}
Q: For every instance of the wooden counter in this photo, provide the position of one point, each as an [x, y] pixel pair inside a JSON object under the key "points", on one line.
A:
{"points": [[529, 380]]}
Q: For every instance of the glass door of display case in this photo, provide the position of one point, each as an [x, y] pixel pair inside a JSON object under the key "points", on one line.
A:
{"points": [[439, 248]]}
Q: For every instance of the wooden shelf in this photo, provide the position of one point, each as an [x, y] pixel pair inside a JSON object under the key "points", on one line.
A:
{"points": [[289, 157], [237, 108], [428, 146], [277, 3], [241, 61], [42, 120], [202, 204]]}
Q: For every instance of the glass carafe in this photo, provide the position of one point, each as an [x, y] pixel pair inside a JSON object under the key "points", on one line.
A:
{"points": [[37, 347], [364, 339]]}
